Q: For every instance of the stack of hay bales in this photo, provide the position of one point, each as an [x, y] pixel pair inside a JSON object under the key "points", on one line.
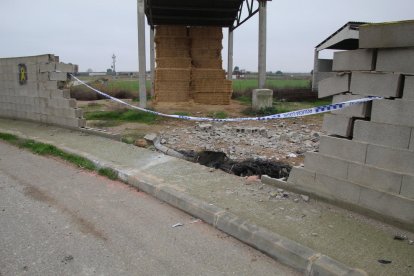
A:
{"points": [[208, 79], [173, 69]]}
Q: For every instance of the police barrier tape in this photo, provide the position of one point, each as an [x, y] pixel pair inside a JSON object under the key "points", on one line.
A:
{"points": [[292, 114]]}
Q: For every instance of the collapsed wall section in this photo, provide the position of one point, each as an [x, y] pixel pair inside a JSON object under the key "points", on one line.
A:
{"points": [[33, 88], [189, 65], [367, 160]]}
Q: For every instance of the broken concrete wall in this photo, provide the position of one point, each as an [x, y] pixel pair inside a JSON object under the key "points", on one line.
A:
{"points": [[33, 88], [367, 160]]}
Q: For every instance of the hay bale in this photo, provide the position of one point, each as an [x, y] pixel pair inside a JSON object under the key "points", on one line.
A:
{"points": [[172, 42], [173, 62], [171, 30], [200, 32], [205, 53], [212, 98], [168, 96], [179, 86], [171, 52], [211, 86], [210, 74], [206, 43], [173, 74], [207, 63]]}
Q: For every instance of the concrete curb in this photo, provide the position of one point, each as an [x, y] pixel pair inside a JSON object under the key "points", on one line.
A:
{"points": [[279, 248]]}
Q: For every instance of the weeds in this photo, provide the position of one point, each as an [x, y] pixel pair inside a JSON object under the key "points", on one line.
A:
{"points": [[122, 115], [218, 115], [50, 150], [109, 173]]}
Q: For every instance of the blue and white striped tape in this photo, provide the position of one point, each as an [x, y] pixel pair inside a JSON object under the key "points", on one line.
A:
{"points": [[292, 114]]}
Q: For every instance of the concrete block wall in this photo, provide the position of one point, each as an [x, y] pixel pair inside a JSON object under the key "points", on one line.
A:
{"points": [[367, 160], [43, 97]]}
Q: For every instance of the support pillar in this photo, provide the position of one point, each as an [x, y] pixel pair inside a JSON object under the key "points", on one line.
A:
{"points": [[262, 43], [141, 54], [230, 56], [152, 61], [315, 71]]}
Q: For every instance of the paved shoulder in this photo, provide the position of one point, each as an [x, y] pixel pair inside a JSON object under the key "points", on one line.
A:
{"points": [[58, 220]]}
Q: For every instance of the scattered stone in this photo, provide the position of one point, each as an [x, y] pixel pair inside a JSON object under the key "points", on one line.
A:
{"points": [[273, 194], [211, 170], [330, 226], [281, 208], [150, 137], [400, 237], [315, 234], [163, 141], [253, 178], [280, 190], [67, 259], [305, 198], [142, 143], [296, 200], [285, 194], [382, 261], [410, 242]]}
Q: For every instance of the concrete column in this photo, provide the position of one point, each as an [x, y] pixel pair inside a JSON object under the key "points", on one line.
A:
{"points": [[315, 71], [262, 43], [152, 61], [141, 54], [230, 56]]}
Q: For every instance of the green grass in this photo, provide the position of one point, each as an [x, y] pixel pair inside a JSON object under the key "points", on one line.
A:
{"points": [[123, 115], [127, 85], [248, 84], [246, 100], [218, 115], [292, 106], [50, 150], [182, 113], [109, 173]]}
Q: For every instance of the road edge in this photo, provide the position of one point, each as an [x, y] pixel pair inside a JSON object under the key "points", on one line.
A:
{"points": [[280, 248]]}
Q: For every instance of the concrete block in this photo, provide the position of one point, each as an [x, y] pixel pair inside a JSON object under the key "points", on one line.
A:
{"points": [[325, 65], [396, 60], [337, 125], [411, 147], [391, 159], [387, 35], [50, 85], [66, 93], [334, 85], [300, 175], [408, 90], [382, 134], [78, 113], [325, 266], [376, 84], [56, 93], [67, 68], [326, 165], [58, 76], [336, 189], [343, 148], [355, 60], [393, 206], [362, 110], [375, 178], [47, 67], [407, 187], [262, 99], [395, 112]]}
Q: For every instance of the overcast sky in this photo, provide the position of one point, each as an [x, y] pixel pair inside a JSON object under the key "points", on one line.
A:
{"points": [[88, 32]]}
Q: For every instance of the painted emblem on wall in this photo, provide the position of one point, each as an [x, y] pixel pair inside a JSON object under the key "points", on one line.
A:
{"points": [[22, 73]]}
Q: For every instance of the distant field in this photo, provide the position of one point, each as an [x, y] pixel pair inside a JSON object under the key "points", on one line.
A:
{"points": [[238, 85], [128, 88], [248, 84]]}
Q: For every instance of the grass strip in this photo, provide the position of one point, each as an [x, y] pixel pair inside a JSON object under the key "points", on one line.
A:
{"points": [[50, 150], [122, 115]]}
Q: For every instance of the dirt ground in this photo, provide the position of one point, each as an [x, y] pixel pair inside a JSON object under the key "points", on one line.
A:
{"points": [[283, 140]]}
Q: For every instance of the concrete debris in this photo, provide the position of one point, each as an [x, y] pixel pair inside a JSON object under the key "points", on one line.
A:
{"points": [[269, 141], [150, 137], [177, 225], [305, 198], [382, 261], [400, 237]]}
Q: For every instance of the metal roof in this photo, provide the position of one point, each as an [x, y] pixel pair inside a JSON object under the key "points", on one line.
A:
{"points": [[345, 38], [223, 13]]}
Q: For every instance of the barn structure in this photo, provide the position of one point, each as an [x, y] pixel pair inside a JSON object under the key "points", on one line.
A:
{"points": [[228, 14]]}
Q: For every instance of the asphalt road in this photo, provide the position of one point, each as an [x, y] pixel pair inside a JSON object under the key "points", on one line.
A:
{"points": [[59, 220]]}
